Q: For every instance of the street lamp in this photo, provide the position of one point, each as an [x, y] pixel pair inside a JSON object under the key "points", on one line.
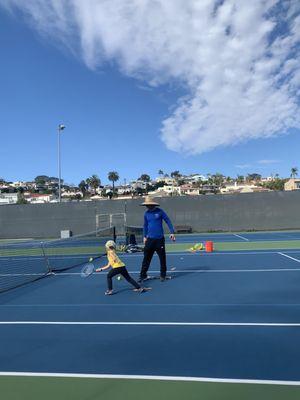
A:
{"points": [[60, 128]]}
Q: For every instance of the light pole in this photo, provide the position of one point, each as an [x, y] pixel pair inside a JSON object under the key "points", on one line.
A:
{"points": [[60, 128]]}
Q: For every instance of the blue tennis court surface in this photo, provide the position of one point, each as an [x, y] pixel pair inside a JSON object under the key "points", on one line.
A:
{"points": [[222, 316]]}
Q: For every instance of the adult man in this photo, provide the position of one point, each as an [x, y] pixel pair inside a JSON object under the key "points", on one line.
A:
{"points": [[154, 239]]}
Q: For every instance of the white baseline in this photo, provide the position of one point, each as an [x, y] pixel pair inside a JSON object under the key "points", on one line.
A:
{"points": [[151, 377], [155, 323]]}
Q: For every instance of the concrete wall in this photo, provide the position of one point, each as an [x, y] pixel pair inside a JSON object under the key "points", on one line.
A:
{"points": [[248, 211]]}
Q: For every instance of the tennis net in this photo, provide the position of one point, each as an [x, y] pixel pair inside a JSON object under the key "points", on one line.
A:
{"points": [[21, 263]]}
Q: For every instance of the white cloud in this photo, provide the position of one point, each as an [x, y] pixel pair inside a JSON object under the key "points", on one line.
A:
{"points": [[237, 59], [266, 162], [243, 166]]}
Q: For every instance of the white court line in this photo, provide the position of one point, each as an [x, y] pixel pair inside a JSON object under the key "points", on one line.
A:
{"points": [[151, 305], [12, 275], [151, 377], [219, 253], [241, 237], [292, 258], [196, 271], [53, 257], [169, 253], [155, 323], [230, 240]]}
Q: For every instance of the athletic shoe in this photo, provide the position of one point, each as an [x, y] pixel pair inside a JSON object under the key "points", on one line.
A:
{"points": [[145, 279], [164, 278]]}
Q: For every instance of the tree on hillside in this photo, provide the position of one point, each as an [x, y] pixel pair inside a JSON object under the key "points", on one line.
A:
{"points": [[2, 181], [160, 172], [217, 179], [21, 199], [240, 179], [83, 187], [275, 184], [144, 178], [294, 172], [41, 179], [253, 177], [176, 174], [157, 185], [94, 182], [139, 191], [210, 180], [113, 176]]}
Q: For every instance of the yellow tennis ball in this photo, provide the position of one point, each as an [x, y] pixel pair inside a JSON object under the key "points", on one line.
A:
{"points": [[119, 277], [90, 259]]}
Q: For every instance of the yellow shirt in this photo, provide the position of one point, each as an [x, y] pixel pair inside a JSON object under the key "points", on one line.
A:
{"points": [[114, 260]]}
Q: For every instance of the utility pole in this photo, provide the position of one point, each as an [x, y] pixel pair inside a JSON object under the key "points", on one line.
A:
{"points": [[61, 127]]}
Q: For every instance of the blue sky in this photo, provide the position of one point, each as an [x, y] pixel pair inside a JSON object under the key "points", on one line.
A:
{"points": [[128, 116]]}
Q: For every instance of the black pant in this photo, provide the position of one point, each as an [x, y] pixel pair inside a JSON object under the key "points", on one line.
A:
{"points": [[120, 271], [152, 246]]}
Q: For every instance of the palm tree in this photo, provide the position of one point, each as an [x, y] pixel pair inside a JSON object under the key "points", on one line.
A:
{"points": [[294, 172], [160, 172], [94, 182], [217, 179], [113, 176]]}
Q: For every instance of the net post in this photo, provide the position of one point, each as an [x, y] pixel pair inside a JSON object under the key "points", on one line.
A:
{"points": [[46, 258]]}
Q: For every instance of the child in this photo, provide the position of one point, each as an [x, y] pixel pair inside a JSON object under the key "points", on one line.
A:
{"points": [[118, 267]]}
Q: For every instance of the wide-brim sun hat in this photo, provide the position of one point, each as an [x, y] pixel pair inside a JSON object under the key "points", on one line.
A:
{"points": [[110, 243], [149, 202]]}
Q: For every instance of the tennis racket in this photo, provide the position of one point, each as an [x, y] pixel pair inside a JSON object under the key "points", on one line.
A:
{"points": [[89, 267], [87, 270]]}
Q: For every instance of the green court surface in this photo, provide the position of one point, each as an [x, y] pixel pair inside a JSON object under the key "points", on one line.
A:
{"points": [[3, 241], [49, 388], [220, 246], [239, 246]]}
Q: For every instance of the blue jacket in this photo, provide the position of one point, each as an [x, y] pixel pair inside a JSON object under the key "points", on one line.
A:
{"points": [[153, 226]]}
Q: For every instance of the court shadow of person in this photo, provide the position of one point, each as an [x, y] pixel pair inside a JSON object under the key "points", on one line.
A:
{"points": [[189, 271]]}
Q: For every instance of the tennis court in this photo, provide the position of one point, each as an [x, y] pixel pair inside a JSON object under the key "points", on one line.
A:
{"points": [[227, 323]]}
